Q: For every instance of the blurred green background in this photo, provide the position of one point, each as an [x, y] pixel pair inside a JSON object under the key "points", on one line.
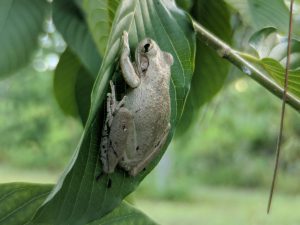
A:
{"points": [[216, 173]]}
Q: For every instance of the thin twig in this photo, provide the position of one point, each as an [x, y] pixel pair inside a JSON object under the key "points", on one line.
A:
{"points": [[226, 52], [279, 140]]}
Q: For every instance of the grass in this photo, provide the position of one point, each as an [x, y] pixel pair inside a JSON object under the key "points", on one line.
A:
{"points": [[222, 206], [9, 174]]}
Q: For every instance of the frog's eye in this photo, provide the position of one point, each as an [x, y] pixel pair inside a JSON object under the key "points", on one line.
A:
{"points": [[147, 47]]}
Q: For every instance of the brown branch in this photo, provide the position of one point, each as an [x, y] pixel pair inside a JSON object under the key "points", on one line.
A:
{"points": [[284, 98]]}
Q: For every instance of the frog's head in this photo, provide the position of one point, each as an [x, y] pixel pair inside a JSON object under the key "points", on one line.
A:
{"points": [[148, 52]]}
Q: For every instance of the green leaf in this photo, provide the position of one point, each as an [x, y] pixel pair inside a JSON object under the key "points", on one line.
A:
{"points": [[263, 41], [277, 71], [185, 4], [21, 22], [19, 201], [69, 21], [271, 49], [73, 86], [263, 13], [64, 82], [100, 16], [210, 70], [125, 214], [268, 43], [78, 197], [83, 89]]}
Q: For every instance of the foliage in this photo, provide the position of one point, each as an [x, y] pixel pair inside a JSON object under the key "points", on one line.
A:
{"points": [[92, 31], [271, 49], [19, 200], [69, 21], [72, 86], [101, 14], [260, 13], [20, 25]]}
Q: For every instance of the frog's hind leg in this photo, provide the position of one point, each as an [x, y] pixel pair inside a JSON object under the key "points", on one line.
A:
{"points": [[121, 138], [113, 107], [156, 149]]}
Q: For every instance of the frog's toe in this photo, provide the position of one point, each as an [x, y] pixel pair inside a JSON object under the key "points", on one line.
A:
{"points": [[125, 39]]}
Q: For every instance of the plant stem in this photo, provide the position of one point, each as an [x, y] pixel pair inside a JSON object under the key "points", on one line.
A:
{"points": [[226, 52], [286, 78]]}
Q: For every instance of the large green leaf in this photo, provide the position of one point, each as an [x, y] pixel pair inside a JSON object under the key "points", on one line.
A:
{"points": [[83, 88], [21, 22], [263, 13], [210, 70], [100, 16], [19, 201], [73, 86], [69, 20], [78, 197], [271, 49]]}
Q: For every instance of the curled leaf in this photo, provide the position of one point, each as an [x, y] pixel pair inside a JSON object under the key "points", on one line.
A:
{"points": [[271, 50], [79, 197]]}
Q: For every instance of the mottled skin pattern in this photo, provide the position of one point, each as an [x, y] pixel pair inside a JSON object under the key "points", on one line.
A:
{"points": [[137, 127]]}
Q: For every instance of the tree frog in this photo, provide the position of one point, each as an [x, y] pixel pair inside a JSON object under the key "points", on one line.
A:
{"points": [[137, 127]]}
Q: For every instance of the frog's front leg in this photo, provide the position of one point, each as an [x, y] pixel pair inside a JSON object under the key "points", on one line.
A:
{"points": [[153, 153], [128, 70]]}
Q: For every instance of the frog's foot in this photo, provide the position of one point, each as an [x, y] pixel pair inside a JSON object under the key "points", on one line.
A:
{"points": [[110, 109], [125, 41], [102, 174], [113, 100], [113, 103], [120, 104]]}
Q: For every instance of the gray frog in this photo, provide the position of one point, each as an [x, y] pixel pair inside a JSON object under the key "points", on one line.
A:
{"points": [[137, 127]]}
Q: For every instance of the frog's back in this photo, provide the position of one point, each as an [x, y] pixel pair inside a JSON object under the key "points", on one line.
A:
{"points": [[151, 111]]}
